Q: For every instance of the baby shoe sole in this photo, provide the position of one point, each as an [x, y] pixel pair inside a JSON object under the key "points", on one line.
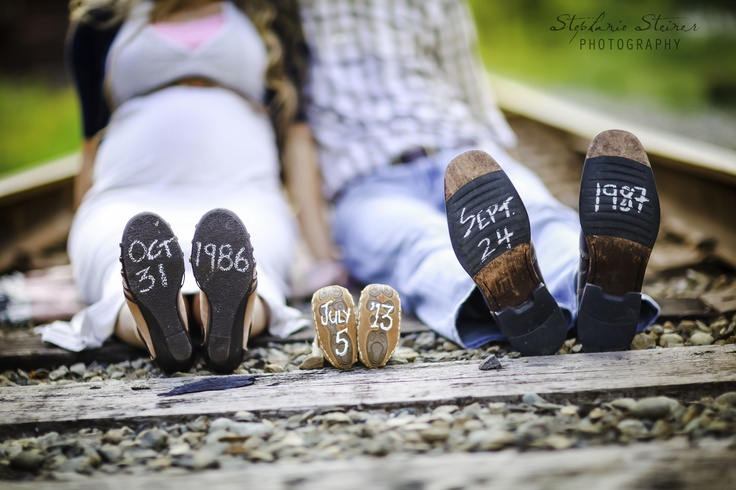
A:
{"points": [[379, 324], [333, 311]]}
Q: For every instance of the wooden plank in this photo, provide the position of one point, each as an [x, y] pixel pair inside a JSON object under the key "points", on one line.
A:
{"points": [[637, 466], [25, 350], [680, 308], [33, 180], [687, 371], [723, 301], [30, 352]]}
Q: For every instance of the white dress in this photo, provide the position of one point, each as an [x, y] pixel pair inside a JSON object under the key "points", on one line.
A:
{"points": [[179, 152]]}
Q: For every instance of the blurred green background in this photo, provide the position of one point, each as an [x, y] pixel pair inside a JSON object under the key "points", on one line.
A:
{"points": [[690, 90]]}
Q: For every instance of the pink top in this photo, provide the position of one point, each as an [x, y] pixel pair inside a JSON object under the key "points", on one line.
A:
{"points": [[192, 33]]}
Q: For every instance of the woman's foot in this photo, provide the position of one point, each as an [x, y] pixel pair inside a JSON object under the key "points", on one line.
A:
{"points": [[153, 271], [225, 270]]}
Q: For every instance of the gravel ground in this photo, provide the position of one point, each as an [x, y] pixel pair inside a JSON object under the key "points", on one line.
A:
{"points": [[246, 439], [232, 443]]}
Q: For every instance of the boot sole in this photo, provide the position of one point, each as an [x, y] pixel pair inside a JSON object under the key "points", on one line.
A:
{"points": [[491, 237], [619, 217]]}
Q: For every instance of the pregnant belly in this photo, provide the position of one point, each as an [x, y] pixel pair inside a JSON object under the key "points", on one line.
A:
{"points": [[186, 136]]}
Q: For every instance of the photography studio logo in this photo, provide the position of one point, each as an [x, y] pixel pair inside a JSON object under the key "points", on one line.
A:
{"points": [[652, 32]]}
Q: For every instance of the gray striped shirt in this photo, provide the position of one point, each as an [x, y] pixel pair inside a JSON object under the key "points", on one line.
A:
{"points": [[388, 76]]}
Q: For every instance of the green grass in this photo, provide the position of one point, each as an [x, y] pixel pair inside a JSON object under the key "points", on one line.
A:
{"points": [[37, 123], [516, 40]]}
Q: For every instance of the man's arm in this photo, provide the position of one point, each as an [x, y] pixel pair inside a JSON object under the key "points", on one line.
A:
{"points": [[304, 185], [83, 180]]}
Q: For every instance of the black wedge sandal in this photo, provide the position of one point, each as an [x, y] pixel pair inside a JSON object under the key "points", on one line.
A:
{"points": [[619, 217], [153, 273], [491, 236], [225, 270]]}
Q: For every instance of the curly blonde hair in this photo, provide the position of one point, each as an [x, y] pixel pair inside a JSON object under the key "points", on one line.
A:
{"points": [[266, 15]]}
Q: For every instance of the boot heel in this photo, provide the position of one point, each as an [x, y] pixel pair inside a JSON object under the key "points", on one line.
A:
{"points": [[607, 322]]}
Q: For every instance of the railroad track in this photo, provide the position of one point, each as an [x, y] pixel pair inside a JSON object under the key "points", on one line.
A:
{"points": [[697, 184]]}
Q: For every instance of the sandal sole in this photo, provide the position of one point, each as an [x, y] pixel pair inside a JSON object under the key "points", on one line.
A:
{"points": [[224, 267], [153, 268]]}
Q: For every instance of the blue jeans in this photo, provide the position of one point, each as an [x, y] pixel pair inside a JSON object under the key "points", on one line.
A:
{"points": [[393, 230]]}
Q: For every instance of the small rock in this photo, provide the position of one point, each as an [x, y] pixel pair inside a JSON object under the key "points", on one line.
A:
{"points": [[532, 398], [409, 354], [110, 453], [661, 429], [701, 338], [491, 440], [569, 410], [727, 399], [274, 368], [48, 439], [261, 456], [27, 460], [686, 327], [559, 442], [489, 363], [251, 429], [671, 340], [78, 369], [58, 373], [80, 464], [449, 346], [643, 341], [200, 424], [626, 404], [115, 436], [633, 428], [152, 439], [139, 454], [221, 423], [654, 407], [445, 409], [179, 449], [435, 434], [200, 460], [596, 413], [397, 359], [336, 418], [245, 416], [312, 362]]}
